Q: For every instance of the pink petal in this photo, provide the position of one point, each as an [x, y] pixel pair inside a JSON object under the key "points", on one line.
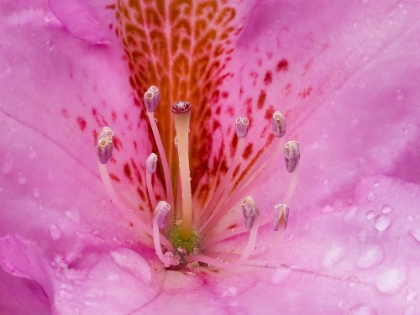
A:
{"points": [[89, 20]]}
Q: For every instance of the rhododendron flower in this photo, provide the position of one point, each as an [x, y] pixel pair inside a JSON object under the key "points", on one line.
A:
{"points": [[108, 109]]}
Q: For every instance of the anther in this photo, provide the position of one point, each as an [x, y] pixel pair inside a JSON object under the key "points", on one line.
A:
{"points": [[278, 124], [291, 155], [242, 126], [281, 211], [181, 107], [161, 213], [105, 145], [151, 162], [250, 211], [151, 99]]}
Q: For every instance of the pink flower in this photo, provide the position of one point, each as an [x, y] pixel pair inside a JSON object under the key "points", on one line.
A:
{"points": [[345, 76]]}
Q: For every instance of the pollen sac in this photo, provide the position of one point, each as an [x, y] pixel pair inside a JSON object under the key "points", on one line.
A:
{"points": [[105, 145], [280, 211], [151, 98], [242, 126], [151, 162], [250, 212], [278, 124], [181, 107], [161, 213], [291, 155]]}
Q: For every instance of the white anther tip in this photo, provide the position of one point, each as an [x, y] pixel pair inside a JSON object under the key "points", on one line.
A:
{"points": [[161, 213], [291, 155], [242, 126], [151, 98], [105, 146], [151, 162], [281, 214], [250, 211], [278, 124]]}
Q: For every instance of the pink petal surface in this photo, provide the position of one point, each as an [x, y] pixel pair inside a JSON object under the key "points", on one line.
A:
{"points": [[364, 87]]}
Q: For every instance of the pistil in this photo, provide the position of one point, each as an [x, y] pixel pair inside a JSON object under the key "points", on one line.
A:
{"points": [[182, 111]]}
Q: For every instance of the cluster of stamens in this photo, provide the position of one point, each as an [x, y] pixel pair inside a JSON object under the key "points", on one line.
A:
{"points": [[186, 236]]}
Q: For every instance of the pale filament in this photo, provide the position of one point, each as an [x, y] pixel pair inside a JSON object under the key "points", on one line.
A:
{"points": [[162, 155], [128, 213], [157, 240], [268, 219]]}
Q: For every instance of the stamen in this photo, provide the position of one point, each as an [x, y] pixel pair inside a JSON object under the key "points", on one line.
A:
{"points": [[159, 221], [250, 211], [150, 100], [242, 126], [182, 111], [151, 162], [281, 215], [278, 124], [105, 145], [291, 155], [251, 215]]}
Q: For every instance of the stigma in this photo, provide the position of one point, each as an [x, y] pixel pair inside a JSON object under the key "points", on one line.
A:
{"points": [[182, 235]]}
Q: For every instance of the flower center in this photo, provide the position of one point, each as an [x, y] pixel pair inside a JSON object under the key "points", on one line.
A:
{"points": [[180, 233]]}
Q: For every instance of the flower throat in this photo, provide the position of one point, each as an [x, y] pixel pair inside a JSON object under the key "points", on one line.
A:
{"points": [[187, 236]]}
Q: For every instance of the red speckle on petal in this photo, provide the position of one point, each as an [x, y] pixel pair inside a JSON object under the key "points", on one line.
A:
{"points": [[268, 78], [261, 99], [114, 177], [82, 123], [269, 112], [127, 171], [114, 116], [248, 151], [65, 113], [305, 92], [117, 143], [225, 94], [269, 55], [283, 65], [288, 89]]}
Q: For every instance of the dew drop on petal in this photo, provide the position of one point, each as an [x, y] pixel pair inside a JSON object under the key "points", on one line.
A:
{"points": [[362, 309], [371, 196], [386, 209], [410, 294], [66, 295], [332, 256], [409, 218], [327, 209], [36, 192], [382, 222], [32, 152], [415, 232], [113, 277], [370, 215], [49, 45], [399, 95], [376, 184], [369, 258], [55, 232], [6, 163], [391, 280], [280, 274], [9, 266], [21, 178]]}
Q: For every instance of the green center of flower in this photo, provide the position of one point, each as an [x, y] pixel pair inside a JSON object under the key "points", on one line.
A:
{"points": [[184, 247]]}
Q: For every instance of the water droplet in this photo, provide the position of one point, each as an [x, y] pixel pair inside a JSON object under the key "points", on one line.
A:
{"points": [[66, 295], [32, 152], [6, 163], [328, 209], [73, 214], [362, 309], [369, 258], [410, 294], [332, 256], [280, 274], [36, 192], [411, 310], [21, 178], [382, 222], [390, 20], [353, 120], [386, 209], [391, 280], [415, 232], [376, 184], [371, 196], [8, 265], [409, 218], [315, 144], [133, 263], [113, 277], [49, 174], [370, 215], [399, 95], [55, 232], [49, 45], [325, 134]]}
